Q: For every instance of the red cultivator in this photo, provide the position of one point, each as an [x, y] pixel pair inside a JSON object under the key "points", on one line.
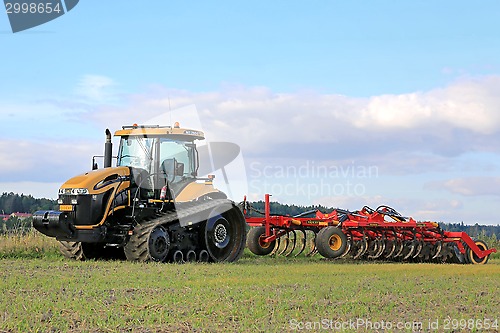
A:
{"points": [[380, 233]]}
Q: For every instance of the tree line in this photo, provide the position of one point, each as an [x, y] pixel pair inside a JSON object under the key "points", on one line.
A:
{"points": [[15, 203]]}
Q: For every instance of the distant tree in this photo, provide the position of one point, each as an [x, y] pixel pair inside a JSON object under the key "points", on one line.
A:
{"points": [[12, 203]]}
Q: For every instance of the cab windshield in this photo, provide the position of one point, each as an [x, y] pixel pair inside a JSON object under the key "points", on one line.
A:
{"points": [[159, 156], [136, 152]]}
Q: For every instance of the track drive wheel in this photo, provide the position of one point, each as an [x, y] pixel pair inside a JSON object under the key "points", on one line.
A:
{"points": [[72, 250], [225, 233], [84, 251], [473, 258], [255, 243], [147, 243], [331, 242]]}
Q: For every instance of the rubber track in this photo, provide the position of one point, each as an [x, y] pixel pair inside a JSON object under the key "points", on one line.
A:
{"points": [[137, 248]]}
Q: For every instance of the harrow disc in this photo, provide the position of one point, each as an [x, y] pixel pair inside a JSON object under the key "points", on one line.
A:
{"points": [[303, 242], [390, 248], [425, 253], [409, 248], [400, 246], [418, 249], [436, 250], [376, 248], [359, 248], [447, 253], [348, 247], [313, 249], [286, 241]]}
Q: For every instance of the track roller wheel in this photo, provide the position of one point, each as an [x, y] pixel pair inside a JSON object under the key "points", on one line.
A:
{"points": [[331, 242], [256, 244], [191, 256], [203, 256], [473, 258], [178, 257]]}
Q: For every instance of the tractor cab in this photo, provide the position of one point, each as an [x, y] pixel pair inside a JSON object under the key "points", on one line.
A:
{"points": [[159, 156]]}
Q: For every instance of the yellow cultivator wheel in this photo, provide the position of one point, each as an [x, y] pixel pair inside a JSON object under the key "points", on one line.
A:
{"points": [[473, 258]]}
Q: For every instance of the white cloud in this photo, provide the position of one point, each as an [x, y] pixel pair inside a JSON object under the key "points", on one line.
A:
{"points": [[470, 104], [95, 88], [42, 161], [469, 186]]}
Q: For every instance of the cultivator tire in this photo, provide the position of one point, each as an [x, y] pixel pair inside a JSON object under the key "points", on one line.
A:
{"points": [[331, 242], [471, 256], [72, 250], [255, 243]]}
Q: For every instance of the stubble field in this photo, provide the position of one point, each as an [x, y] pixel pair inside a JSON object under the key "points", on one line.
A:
{"points": [[43, 292]]}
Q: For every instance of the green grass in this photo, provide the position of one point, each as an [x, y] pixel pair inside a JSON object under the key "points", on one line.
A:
{"points": [[31, 244], [256, 294]]}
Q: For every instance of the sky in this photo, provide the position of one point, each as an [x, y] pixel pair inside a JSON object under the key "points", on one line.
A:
{"points": [[340, 103]]}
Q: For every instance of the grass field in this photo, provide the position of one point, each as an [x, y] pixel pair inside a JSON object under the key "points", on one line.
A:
{"points": [[42, 292]]}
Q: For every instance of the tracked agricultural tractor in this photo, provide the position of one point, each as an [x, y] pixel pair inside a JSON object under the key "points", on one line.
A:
{"points": [[151, 206], [370, 234]]}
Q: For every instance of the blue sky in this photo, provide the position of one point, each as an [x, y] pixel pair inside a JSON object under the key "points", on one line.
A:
{"points": [[411, 88]]}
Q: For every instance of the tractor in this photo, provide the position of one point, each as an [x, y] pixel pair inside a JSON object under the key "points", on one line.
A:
{"points": [[151, 206]]}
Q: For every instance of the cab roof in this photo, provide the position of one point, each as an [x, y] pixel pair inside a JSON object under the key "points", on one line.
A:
{"points": [[161, 131]]}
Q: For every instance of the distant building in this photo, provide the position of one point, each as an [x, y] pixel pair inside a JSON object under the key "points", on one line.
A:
{"points": [[20, 216]]}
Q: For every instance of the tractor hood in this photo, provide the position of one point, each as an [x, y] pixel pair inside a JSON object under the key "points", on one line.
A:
{"points": [[94, 181]]}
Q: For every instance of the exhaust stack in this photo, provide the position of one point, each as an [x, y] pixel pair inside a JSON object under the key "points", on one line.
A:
{"points": [[108, 150]]}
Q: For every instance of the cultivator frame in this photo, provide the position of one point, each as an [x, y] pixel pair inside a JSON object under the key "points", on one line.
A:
{"points": [[380, 233]]}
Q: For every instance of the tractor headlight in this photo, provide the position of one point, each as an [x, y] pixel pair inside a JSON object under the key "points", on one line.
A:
{"points": [[79, 191]]}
